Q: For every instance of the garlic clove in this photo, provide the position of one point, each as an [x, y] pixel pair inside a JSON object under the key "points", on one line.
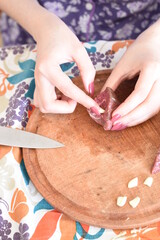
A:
{"points": [[148, 181], [101, 110], [134, 203], [121, 201], [133, 183]]}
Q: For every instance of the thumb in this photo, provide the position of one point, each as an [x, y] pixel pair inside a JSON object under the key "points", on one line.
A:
{"points": [[121, 71]]}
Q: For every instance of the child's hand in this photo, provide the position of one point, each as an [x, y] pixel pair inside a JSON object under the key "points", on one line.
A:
{"points": [[57, 44], [142, 57]]}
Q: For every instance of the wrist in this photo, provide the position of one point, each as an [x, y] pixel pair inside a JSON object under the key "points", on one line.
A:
{"points": [[44, 24], [37, 21]]}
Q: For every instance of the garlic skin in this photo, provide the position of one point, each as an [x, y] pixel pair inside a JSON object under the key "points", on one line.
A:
{"points": [[148, 182], [121, 201], [133, 183], [134, 203]]}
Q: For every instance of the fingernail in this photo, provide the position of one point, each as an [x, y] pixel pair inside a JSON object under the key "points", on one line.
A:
{"points": [[95, 110], [115, 117], [91, 88], [118, 127], [108, 125]]}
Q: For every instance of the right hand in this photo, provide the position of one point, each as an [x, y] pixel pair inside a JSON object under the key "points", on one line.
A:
{"points": [[57, 44], [141, 58]]}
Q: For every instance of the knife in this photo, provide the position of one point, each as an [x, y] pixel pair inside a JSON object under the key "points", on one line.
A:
{"points": [[19, 138]]}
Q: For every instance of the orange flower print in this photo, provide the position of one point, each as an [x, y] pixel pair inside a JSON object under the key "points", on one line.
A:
{"points": [[17, 153], [116, 46], [4, 150], [46, 226], [31, 111], [19, 207], [67, 228], [145, 233], [3, 87], [85, 228]]}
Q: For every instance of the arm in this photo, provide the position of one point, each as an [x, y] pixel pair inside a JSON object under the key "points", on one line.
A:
{"points": [[28, 13], [56, 44]]}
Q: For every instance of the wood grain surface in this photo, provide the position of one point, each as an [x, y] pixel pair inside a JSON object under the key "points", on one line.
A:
{"points": [[84, 179]]}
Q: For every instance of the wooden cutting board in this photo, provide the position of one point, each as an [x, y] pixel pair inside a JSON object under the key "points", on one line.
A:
{"points": [[84, 179]]}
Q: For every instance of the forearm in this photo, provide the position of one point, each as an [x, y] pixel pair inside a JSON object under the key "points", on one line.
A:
{"points": [[28, 13]]}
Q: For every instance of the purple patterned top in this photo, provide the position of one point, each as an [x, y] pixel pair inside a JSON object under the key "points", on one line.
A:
{"points": [[92, 19]]}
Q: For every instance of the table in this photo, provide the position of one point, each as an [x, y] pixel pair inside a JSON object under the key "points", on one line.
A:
{"points": [[24, 213]]}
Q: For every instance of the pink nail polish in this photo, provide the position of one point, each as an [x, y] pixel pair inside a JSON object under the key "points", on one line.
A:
{"points": [[115, 117], [91, 88], [118, 127], [95, 110], [108, 125]]}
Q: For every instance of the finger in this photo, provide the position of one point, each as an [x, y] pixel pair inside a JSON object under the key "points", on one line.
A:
{"points": [[144, 84], [122, 70], [126, 68], [148, 108], [86, 68], [66, 86], [47, 99]]}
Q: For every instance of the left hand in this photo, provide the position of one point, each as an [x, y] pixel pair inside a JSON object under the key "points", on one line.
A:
{"points": [[142, 57]]}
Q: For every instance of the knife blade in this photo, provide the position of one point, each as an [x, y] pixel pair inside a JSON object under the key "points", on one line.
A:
{"points": [[19, 138]]}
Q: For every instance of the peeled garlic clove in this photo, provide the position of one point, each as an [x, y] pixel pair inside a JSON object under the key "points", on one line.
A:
{"points": [[133, 183], [148, 181], [121, 201], [101, 110], [134, 203]]}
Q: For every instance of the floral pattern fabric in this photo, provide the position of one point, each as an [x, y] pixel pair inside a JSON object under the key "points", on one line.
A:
{"points": [[24, 213], [92, 19]]}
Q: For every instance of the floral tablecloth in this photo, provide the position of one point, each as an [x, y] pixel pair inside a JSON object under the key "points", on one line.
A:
{"points": [[24, 213]]}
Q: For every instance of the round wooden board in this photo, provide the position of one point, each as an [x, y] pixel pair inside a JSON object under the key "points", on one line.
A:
{"points": [[84, 179]]}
